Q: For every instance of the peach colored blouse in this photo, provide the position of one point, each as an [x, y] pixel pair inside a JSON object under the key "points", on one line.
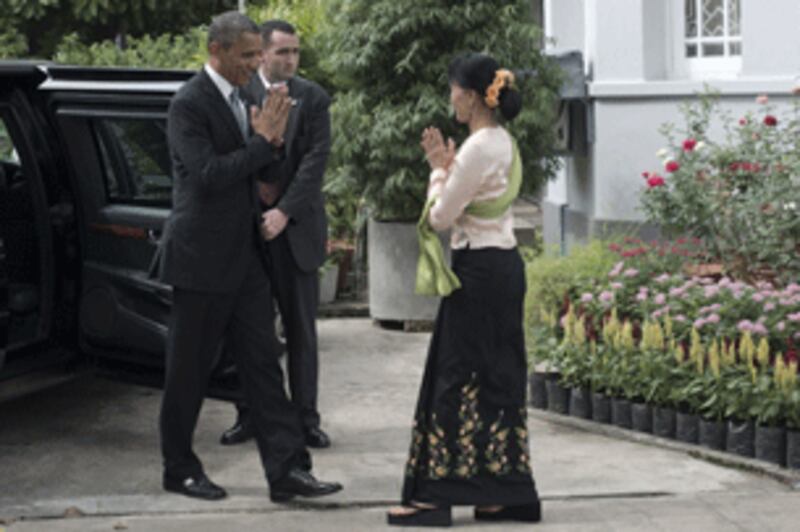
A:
{"points": [[479, 172]]}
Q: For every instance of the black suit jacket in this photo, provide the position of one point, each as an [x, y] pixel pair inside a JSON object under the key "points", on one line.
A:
{"points": [[212, 231], [307, 142]]}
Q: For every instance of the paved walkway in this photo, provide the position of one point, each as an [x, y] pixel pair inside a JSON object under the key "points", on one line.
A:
{"points": [[84, 457]]}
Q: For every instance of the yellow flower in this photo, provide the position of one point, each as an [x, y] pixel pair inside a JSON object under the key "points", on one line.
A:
{"points": [[494, 467], [440, 471]]}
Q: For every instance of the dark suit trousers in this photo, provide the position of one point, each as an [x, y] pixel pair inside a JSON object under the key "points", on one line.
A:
{"points": [[297, 293], [200, 322]]}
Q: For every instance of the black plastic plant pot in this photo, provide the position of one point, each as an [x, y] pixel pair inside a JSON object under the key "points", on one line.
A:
{"points": [[771, 444], [687, 427], [740, 437], [712, 434], [621, 413], [793, 449], [664, 422], [557, 397], [580, 403], [538, 387], [601, 408], [642, 417]]}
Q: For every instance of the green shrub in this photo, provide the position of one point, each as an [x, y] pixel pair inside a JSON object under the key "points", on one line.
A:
{"points": [[389, 59]]}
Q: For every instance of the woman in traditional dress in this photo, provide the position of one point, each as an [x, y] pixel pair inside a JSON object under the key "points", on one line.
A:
{"points": [[470, 440]]}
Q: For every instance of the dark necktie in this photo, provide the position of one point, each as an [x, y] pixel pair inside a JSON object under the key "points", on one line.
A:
{"points": [[237, 106]]}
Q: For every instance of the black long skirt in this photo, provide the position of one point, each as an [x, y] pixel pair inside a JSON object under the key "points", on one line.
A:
{"points": [[469, 443]]}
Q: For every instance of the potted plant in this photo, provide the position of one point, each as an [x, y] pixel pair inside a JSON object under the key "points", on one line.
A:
{"points": [[771, 407], [391, 81], [740, 393]]}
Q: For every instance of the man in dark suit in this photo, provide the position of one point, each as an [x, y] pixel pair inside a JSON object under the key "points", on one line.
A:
{"points": [[211, 254], [295, 213]]}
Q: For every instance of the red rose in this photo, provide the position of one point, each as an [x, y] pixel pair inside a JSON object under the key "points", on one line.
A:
{"points": [[770, 121], [689, 144], [655, 181], [734, 167], [645, 175], [672, 166]]}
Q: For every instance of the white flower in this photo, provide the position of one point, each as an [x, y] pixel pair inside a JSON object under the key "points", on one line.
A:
{"points": [[790, 206], [699, 146], [664, 154]]}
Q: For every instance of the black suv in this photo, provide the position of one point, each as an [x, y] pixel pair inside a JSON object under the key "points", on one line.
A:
{"points": [[85, 187]]}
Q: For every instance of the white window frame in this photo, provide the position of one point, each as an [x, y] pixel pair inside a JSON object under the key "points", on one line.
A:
{"points": [[717, 67]]}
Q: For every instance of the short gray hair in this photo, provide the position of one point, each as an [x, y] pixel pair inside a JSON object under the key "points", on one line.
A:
{"points": [[227, 27]]}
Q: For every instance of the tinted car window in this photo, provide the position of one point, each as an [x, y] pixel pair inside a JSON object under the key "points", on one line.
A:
{"points": [[135, 160]]}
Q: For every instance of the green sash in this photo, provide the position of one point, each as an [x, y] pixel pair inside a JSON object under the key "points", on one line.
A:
{"points": [[434, 276]]}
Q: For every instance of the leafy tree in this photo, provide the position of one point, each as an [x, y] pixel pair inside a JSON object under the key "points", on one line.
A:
{"points": [[36, 28], [390, 58]]}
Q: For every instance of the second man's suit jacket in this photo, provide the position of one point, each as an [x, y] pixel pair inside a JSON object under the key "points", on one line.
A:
{"points": [[211, 234], [307, 142]]}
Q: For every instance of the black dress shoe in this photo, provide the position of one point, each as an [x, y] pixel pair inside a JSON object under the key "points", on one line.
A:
{"points": [[316, 438], [238, 433], [530, 513], [198, 486], [422, 517], [298, 482]]}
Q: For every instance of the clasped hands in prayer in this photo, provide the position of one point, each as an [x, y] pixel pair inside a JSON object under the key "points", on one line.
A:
{"points": [[270, 119], [438, 153]]}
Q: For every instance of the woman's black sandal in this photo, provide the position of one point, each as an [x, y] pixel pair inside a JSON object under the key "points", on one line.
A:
{"points": [[530, 513], [438, 516]]}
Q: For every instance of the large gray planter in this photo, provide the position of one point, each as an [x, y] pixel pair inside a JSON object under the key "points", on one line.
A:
{"points": [[393, 250]]}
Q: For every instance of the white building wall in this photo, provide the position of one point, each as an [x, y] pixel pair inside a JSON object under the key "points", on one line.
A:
{"points": [[638, 78]]}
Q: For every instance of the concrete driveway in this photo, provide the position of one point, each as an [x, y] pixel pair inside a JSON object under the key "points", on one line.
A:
{"points": [[84, 456]]}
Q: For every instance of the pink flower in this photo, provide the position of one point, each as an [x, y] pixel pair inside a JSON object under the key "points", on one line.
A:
{"points": [[712, 318], [793, 317], [663, 278], [698, 323], [759, 328], [711, 291], [689, 144], [631, 272], [660, 299], [587, 297], [676, 292], [743, 121], [745, 326], [672, 166], [780, 326], [758, 298], [680, 317], [617, 285], [655, 181], [770, 306], [641, 296], [616, 269], [606, 296], [762, 99]]}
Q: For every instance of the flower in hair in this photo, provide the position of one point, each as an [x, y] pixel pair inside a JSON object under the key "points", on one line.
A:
{"points": [[503, 78]]}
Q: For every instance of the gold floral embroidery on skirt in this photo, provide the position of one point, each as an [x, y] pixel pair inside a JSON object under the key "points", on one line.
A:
{"points": [[471, 424], [466, 460], [438, 454], [497, 449]]}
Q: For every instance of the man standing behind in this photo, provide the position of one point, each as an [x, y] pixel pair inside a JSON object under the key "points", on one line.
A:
{"points": [[295, 222], [211, 255]]}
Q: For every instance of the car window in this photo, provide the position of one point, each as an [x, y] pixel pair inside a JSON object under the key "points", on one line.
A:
{"points": [[135, 160]]}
